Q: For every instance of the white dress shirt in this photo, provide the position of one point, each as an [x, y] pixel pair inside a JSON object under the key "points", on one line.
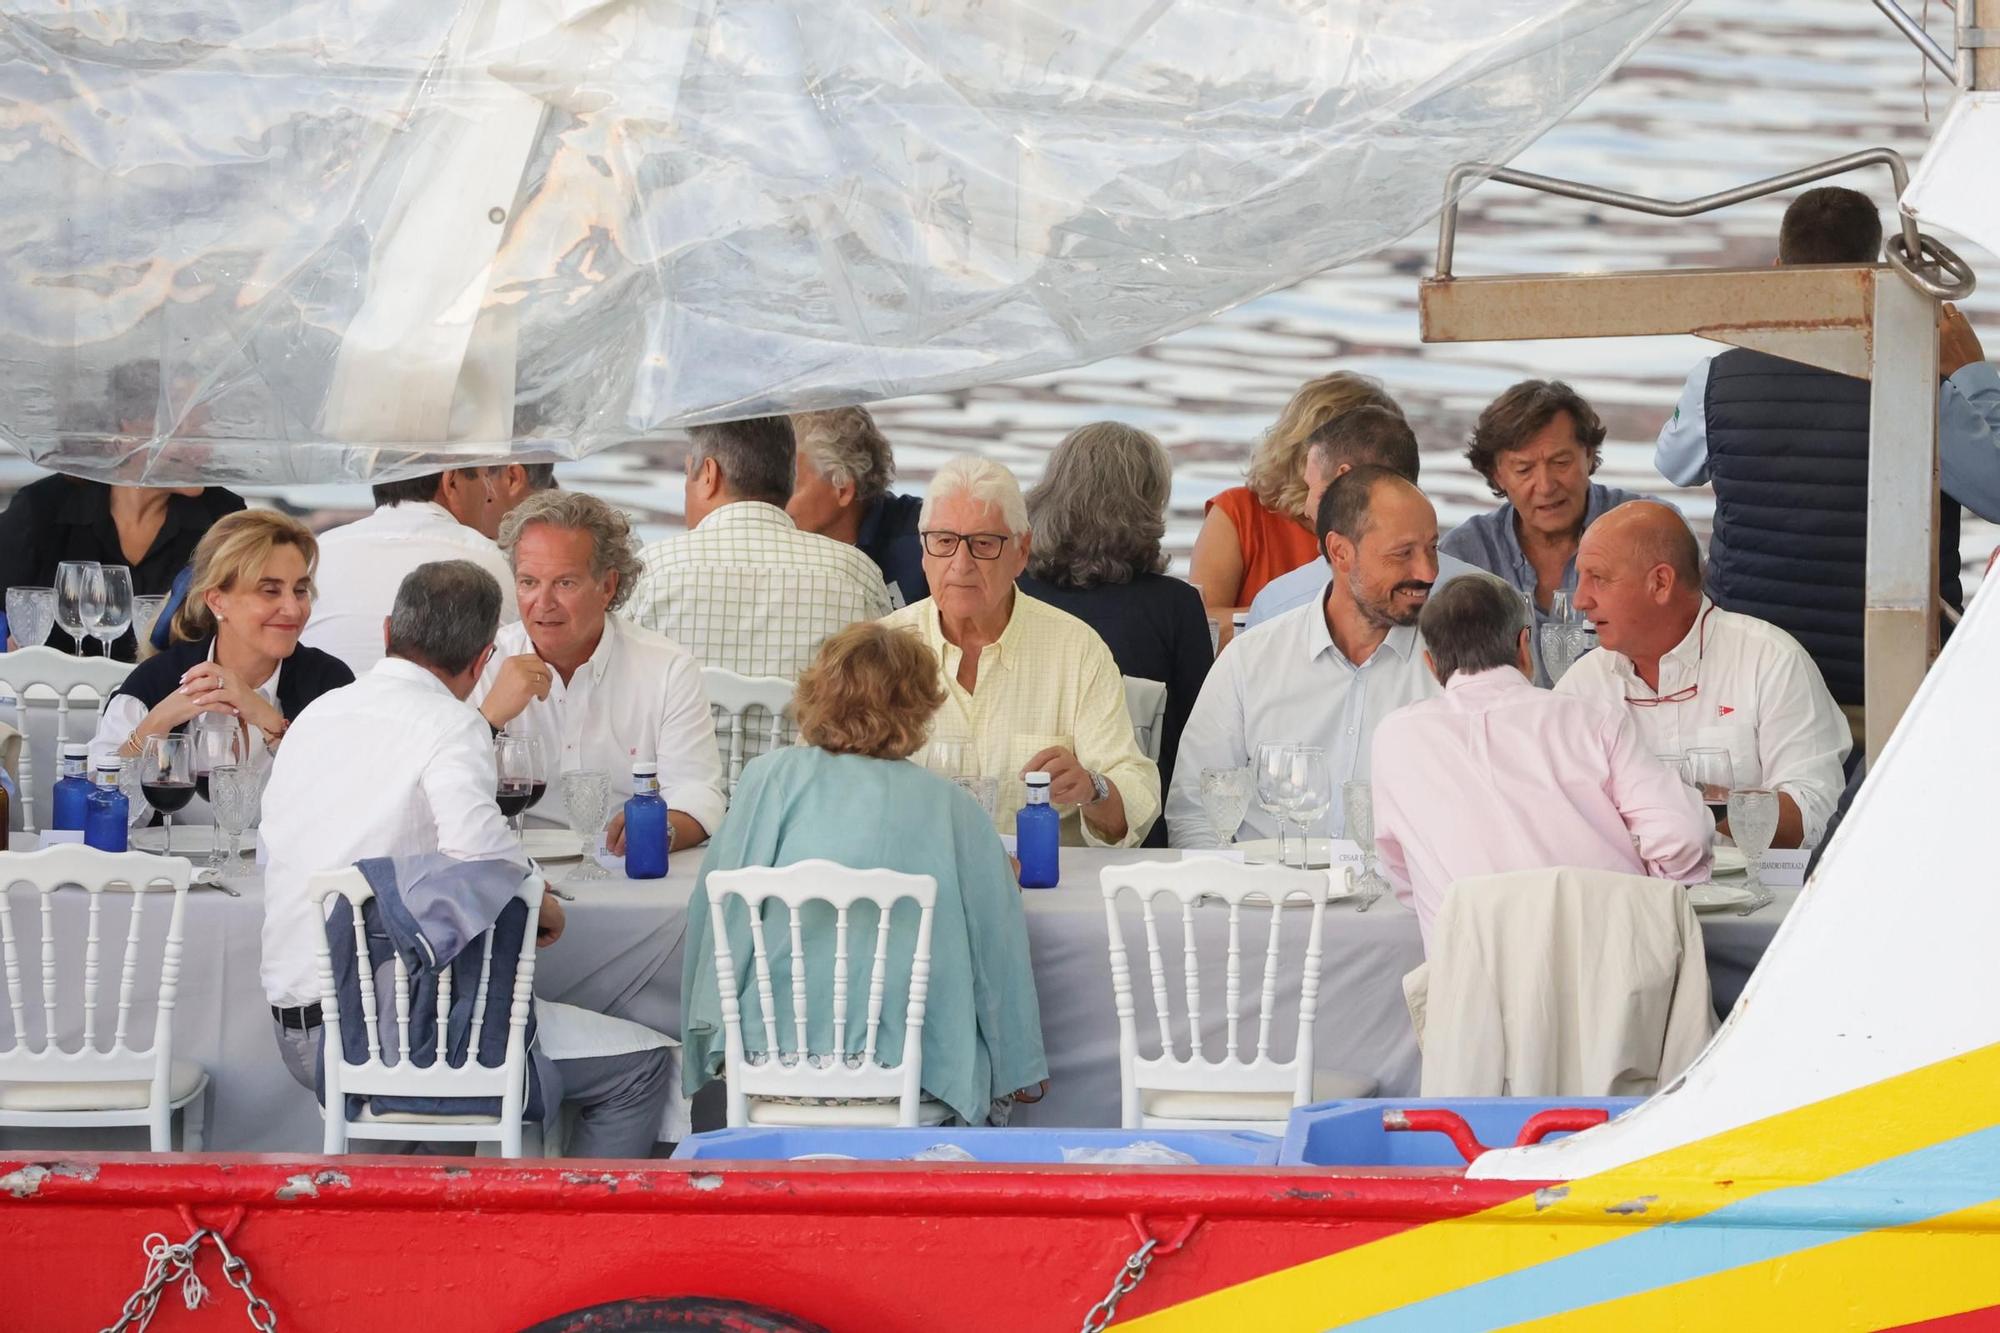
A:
{"points": [[639, 690], [1287, 681], [1757, 695], [391, 765], [361, 564], [747, 591]]}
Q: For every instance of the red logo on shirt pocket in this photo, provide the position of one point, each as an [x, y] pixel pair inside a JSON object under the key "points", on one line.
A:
{"points": [[1723, 710]]}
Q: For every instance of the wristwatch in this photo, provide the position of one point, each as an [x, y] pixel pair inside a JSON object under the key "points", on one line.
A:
{"points": [[1100, 789]]}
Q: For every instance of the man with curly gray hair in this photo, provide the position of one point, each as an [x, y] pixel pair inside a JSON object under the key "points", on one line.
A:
{"points": [[593, 688]]}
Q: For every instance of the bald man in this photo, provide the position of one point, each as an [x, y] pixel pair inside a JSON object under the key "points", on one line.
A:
{"points": [[1694, 675], [1325, 673]]}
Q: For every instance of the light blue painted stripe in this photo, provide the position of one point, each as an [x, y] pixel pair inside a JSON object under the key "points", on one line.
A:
{"points": [[1930, 1182]]}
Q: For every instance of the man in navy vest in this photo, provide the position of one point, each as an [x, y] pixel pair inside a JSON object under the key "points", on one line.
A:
{"points": [[1786, 447]]}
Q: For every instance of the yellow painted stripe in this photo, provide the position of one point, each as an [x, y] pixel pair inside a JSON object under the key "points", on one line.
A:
{"points": [[1828, 1138], [1877, 1280]]}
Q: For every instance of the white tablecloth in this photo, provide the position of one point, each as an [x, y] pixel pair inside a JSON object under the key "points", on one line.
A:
{"points": [[621, 954]]}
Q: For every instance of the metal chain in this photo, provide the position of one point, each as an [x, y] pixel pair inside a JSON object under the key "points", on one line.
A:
{"points": [[166, 1262], [1127, 1282]]}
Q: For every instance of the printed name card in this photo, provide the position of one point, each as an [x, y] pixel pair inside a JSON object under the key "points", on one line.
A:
{"points": [[1785, 869]]}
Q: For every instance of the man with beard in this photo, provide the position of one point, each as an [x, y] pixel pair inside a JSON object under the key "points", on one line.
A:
{"points": [[1327, 673]]}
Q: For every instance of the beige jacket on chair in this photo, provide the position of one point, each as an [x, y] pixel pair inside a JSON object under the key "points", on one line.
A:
{"points": [[1562, 983]]}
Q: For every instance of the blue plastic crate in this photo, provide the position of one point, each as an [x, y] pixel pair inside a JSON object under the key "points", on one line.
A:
{"points": [[1350, 1133], [754, 1144]]}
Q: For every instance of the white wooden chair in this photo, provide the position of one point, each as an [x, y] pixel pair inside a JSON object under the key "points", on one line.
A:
{"points": [[1146, 702], [1248, 1088], [49, 672], [385, 1073], [822, 1087], [753, 714], [47, 1087]]}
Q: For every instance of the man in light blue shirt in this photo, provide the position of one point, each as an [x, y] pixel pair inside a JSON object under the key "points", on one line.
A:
{"points": [[1365, 436], [1786, 447], [1537, 445]]}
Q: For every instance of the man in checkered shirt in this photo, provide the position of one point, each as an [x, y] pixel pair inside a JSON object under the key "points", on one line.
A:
{"points": [[744, 589]]}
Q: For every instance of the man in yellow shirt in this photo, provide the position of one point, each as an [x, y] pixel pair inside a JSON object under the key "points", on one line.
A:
{"points": [[1027, 687]]}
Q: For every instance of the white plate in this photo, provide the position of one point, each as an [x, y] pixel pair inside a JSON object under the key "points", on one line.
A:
{"points": [[189, 839], [1338, 891], [1718, 897], [1730, 861], [1264, 851], [552, 844]]}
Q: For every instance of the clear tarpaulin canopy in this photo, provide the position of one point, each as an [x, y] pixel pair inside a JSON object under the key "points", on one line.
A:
{"points": [[313, 240]]}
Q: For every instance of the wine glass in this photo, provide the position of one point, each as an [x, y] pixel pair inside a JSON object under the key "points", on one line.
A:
{"points": [[1272, 774], [1753, 822], [587, 799], [1225, 795], [166, 777], [1714, 777], [31, 614], [79, 597], [517, 762], [1357, 800], [114, 613], [1677, 765], [1308, 793], [947, 757], [236, 792], [538, 779], [146, 614], [218, 742]]}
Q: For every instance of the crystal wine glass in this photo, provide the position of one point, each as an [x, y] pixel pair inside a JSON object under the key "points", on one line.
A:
{"points": [[1753, 822], [235, 793], [218, 742], [587, 799], [1309, 794], [947, 757], [516, 759], [114, 615], [1225, 795], [1271, 774], [1677, 765], [166, 777], [79, 597], [146, 611], [1714, 777], [1357, 801], [31, 614]]}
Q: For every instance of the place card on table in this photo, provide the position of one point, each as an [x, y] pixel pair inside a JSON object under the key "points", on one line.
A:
{"points": [[1212, 854], [1785, 869], [50, 837]]}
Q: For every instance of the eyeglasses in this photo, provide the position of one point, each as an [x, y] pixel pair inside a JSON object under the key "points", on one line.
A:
{"points": [[983, 545], [1681, 696]]}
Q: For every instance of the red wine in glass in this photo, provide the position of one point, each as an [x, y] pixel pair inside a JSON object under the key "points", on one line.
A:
{"points": [[515, 795], [168, 798], [535, 790]]}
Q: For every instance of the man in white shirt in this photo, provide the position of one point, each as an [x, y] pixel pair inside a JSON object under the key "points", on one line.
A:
{"points": [[1370, 434], [451, 515], [743, 588], [591, 686], [1327, 673], [1694, 675], [397, 764]]}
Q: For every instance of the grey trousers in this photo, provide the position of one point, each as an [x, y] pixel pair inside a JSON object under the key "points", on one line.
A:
{"points": [[620, 1099]]}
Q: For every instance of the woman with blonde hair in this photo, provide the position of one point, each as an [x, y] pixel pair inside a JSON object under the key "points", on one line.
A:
{"points": [[1253, 533], [847, 793], [1098, 516], [235, 651]]}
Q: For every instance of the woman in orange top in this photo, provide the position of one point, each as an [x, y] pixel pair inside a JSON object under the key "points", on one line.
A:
{"points": [[1255, 532]]}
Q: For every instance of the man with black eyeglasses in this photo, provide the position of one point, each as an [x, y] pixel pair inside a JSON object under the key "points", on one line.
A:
{"points": [[1694, 675], [1027, 687]]}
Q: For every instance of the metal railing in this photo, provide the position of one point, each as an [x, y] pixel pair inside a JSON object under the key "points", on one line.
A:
{"points": [[1926, 262]]}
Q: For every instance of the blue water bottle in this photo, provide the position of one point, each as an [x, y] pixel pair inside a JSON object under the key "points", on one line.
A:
{"points": [[1038, 836], [645, 825], [72, 794], [107, 813]]}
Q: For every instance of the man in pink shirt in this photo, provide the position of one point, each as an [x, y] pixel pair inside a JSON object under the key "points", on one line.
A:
{"points": [[1496, 775]]}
